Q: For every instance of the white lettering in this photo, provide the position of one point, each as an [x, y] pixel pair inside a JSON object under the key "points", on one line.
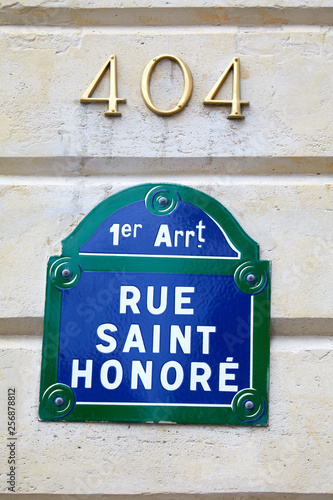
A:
{"points": [[180, 300], [187, 237], [86, 373], [180, 233], [156, 338], [126, 230], [178, 378], [200, 227], [224, 376], [205, 330], [150, 300], [163, 236], [115, 230], [202, 378], [183, 340], [145, 375], [112, 363], [136, 226], [134, 339], [129, 301], [112, 343]]}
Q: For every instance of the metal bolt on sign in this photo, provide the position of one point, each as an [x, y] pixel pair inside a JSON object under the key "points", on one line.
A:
{"points": [[163, 201], [66, 273], [249, 405]]}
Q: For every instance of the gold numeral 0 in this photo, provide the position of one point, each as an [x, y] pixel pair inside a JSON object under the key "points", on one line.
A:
{"points": [[145, 85]]}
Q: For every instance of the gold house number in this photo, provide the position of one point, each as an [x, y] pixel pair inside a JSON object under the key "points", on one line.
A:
{"points": [[112, 100]]}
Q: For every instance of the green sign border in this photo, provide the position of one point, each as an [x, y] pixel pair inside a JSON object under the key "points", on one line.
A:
{"points": [[249, 406]]}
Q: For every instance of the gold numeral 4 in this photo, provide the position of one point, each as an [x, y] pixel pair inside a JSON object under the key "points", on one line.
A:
{"points": [[236, 100], [112, 100]]}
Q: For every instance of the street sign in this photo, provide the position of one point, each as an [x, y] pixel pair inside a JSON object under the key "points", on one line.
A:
{"points": [[157, 311]]}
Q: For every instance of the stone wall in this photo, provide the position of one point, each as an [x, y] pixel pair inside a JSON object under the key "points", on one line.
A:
{"points": [[272, 170]]}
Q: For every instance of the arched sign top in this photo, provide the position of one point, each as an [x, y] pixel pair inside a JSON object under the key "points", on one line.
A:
{"points": [[161, 220]]}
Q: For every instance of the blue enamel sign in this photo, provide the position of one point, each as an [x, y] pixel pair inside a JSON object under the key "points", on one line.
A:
{"points": [[160, 310]]}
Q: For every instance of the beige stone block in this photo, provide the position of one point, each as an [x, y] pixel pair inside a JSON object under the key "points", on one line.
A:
{"points": [[292, 455], [99, 4], [250, 13], [75, 166], [291, 219], [284, 74]]}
